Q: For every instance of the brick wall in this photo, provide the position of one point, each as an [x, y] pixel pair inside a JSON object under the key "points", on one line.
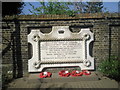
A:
{"points": [[16, 28]]}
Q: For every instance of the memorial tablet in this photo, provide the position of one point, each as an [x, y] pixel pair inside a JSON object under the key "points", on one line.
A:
{"points": [[58, 49], [61, 50]]}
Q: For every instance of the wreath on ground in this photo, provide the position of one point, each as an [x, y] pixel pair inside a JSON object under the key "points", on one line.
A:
{"points": [[64, 73], [86, 72], [45, 74], [76, 73]]}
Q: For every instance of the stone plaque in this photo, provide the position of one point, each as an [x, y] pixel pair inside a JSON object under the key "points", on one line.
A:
{"points": [[60, 48]]}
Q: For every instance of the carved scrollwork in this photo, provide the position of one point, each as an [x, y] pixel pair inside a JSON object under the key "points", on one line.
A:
{"points": [[37, 64], [36, 38], [87, 63], [86, 36]]}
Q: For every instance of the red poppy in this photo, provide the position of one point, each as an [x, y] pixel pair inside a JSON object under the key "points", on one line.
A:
{"points": [[64, 73], [45, 74], [86, 72], [76, 73]]}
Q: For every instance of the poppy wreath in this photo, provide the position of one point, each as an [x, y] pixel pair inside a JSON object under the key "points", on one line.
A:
{"points": [[64, 73], [76, 73], [86, 72], [45, 74]]}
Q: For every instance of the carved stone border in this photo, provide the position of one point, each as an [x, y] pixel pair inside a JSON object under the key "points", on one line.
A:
{"points": [[60, 33]]}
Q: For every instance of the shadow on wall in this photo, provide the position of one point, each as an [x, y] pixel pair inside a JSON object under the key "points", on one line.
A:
{"points": [[15, 45], [16, 49]]}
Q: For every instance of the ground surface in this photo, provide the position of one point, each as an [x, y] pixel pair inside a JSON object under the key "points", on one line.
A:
{"points": [[95, 80]]}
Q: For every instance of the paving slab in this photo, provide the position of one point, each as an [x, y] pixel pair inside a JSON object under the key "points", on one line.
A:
{"points": [[70, 82]]}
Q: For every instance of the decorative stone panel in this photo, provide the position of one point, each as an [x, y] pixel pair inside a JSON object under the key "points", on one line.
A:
{"points": [[60, 48]]}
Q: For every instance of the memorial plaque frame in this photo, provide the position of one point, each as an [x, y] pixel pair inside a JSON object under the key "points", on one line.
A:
{"points": [[60, 33]]}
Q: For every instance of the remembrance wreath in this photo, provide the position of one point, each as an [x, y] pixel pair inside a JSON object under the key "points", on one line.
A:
{"points": [[86, 72], [64, 73], [45, 74], [76, 73]]}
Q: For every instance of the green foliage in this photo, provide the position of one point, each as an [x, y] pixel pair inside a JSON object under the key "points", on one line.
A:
{"points": [[7, 75], [89, 7], [110, 68], [79, 7], [68, 8], [6, 78], [93, 7], [57, 8]]}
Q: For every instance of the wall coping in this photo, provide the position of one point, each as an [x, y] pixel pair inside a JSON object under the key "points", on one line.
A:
{"points": [[51, 17]]}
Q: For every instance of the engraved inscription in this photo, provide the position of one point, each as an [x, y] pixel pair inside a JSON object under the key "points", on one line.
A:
{"points": [[61, 50]]}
